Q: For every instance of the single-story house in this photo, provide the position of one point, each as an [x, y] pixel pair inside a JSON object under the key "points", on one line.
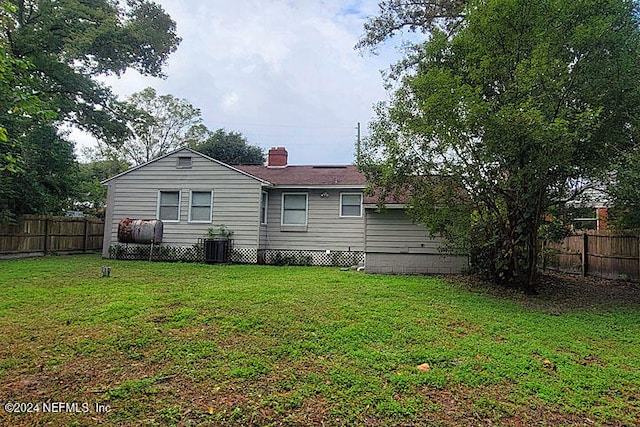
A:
{"points": [[276, 212]]}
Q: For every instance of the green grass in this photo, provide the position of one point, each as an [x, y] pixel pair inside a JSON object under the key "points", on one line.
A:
{"points": [[187, 344]]}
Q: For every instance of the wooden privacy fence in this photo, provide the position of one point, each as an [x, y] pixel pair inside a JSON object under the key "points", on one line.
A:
{"points": [[608, 254], [42, 235]]}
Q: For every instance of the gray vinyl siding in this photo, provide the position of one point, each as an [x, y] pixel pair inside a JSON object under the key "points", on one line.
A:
{"points": [[325, 229], [392, 231], [263, 236], [264, 227], [236, 199], [396, 245], [108, 238]]}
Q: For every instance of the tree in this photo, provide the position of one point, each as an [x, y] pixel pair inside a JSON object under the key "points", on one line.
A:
{"points": [[624, 191], [91, 195], [19, 108], [158, 124], [51, 54], [519, 110], [71, 42], [9, 100], [231, 148], [17, 105], [416, 15], [47, 179]]}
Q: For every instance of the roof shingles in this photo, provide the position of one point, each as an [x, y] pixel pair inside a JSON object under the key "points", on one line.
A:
{"points": [[308, 175]]}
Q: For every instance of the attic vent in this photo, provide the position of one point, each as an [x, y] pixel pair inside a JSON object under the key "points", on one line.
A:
{"points": [[184, 163], [330, 167]]}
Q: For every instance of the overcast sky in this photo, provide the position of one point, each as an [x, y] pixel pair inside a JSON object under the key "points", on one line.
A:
{"points": [[281, 72]]}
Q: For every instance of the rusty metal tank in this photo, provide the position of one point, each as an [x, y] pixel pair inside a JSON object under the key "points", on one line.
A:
{"points": [[144, 231]]}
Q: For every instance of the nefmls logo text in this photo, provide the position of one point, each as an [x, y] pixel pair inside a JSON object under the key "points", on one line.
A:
{"points": [[59, 407]]}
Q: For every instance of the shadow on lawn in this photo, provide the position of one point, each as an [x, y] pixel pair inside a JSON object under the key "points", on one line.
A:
{"points": [[559, 293]]}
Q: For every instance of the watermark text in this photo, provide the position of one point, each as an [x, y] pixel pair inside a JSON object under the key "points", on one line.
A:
{"points": [[56, 407]]}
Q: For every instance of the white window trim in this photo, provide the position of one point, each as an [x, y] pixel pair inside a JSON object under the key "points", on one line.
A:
{"points": [[266, 208], [306, 216], [179, 205], [210, 220], [340, 207]]}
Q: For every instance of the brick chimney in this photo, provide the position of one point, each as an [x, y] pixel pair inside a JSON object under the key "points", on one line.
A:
{"points": [[277, 157], [602, 215]]}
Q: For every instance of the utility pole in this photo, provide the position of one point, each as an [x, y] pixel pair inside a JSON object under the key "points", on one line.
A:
{"points": [[358, 145]]}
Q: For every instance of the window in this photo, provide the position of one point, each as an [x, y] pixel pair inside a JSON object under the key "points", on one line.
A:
{"points": [[169, 205], [294, 209], [183, 163], [351, 205], [200, 206], [584, 218], [263, 207]]}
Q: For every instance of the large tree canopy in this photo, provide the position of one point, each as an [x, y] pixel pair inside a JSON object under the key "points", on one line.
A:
{"points": [[70, 42], [47, 179], [415, 15], [51, 53], [231, 148], [157, 125], [519, 109], [18, 105], [20, 110]]}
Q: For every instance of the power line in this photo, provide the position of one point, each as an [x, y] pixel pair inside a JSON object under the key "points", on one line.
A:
{"points": [[306, 136], [282, 126]]}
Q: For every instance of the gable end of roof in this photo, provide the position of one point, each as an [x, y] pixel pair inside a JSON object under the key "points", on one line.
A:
{"points": [[187, 149]]}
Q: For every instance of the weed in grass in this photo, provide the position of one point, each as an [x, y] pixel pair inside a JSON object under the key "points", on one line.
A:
{"points": [[131, 388], [170, 415], [398, 408], [489, 408]]}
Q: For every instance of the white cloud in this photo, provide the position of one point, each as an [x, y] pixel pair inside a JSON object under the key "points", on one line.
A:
{"points": [[231, 102], [281, 72]]}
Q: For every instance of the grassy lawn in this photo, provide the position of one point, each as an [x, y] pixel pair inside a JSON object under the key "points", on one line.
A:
{"points": [[182, 344]]}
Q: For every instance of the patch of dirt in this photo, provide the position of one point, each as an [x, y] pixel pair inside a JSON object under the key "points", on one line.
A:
{"points": [[560, 293], [490, 405], [482, 406], [234, 403]]}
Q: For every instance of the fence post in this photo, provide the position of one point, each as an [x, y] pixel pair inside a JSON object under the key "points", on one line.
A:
{"points": [[86, 237], [585, 254], [46, 235]]}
